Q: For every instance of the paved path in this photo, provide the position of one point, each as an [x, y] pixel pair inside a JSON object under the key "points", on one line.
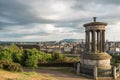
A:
{"points": [[59, 75]]}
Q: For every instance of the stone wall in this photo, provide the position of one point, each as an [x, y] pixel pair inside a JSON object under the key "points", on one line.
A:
{"points": [[99, 63]]}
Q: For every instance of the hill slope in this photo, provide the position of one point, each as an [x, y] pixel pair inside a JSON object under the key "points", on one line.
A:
{"points": [[6, 75]]}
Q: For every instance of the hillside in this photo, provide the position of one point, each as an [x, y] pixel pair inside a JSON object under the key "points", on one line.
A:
{"points": [[72, 40], [6, 75], [42, 73]]}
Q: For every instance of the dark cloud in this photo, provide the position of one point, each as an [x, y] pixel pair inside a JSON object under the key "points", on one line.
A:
{"points": [[109, 2], [16, 35], [20, 13], [14, 10]]}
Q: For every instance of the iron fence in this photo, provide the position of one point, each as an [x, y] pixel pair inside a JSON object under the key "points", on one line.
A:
{"points": [[86, 70], [105, 73], [99, 73], [117, 71]]}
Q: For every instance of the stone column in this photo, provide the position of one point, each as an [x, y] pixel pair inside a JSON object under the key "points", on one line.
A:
{"points": [[95, 73], [101, 42], [98, 41], [88, 40], [119, 68], [78, 68], [103, 39], [74, 66], [93, 41], [114, 73]]}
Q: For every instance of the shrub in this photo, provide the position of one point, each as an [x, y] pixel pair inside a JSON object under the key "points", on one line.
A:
{"points": [[15, 67], [17, 57], [48, 57], [10, 66], [66, 59], [45, 58], [4, 64], [30, 58], [6, 55], [57, 56]]}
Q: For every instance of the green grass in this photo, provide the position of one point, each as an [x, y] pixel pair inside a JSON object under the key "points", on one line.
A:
{"points": [[6, 75]]}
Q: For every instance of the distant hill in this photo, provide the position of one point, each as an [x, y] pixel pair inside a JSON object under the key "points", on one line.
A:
{"points": [[72, 40]]}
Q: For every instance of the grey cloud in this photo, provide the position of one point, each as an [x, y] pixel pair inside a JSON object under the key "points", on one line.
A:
{"points": [[18, 12], [111, 2], [105, 10], [13, 11], [79, 4], [15, 35]]}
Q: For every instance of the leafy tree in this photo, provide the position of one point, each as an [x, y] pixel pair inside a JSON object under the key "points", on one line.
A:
{"points": [[17, 57], [1, 48], [48, 57], [14, 48], [57, 56], [6, 55], [16, 53], [30, 58]]}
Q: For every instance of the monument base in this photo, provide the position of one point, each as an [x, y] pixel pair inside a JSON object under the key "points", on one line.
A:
{"points": [[100, 60]]}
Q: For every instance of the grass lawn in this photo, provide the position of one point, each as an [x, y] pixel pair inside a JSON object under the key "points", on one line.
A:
{"points": [[6, 75], [29, 74], [42, 73]]}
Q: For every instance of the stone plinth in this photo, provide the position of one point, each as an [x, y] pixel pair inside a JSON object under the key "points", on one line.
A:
{"points": [[101, 60]]}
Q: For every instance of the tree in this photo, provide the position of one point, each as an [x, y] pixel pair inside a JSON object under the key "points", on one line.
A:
{"points": [[16, 53], [6, 55], [57, 56], [30, 58]]}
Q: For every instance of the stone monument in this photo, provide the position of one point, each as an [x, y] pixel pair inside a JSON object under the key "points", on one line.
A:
{"points": [[95, 54]]}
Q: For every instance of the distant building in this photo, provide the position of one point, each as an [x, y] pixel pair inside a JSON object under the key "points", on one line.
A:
{"points": [[113, 47], [72, 46]]}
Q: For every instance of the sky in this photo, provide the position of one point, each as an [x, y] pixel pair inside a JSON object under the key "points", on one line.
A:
{"points": [[49, 20]]}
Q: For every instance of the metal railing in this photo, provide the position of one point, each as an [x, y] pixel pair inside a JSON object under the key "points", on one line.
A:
{"points": [[105, 73], [97, 72], [117, 71], [88, 70]]}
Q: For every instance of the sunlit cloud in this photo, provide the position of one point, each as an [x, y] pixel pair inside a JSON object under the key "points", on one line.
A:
{"points": [[42, 20]]}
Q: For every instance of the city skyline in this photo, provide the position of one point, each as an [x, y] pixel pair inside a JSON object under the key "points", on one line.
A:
{"points": [[48, 20]]}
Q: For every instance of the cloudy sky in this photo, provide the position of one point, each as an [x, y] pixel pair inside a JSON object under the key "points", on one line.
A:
{"points": [[44, 20]]}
